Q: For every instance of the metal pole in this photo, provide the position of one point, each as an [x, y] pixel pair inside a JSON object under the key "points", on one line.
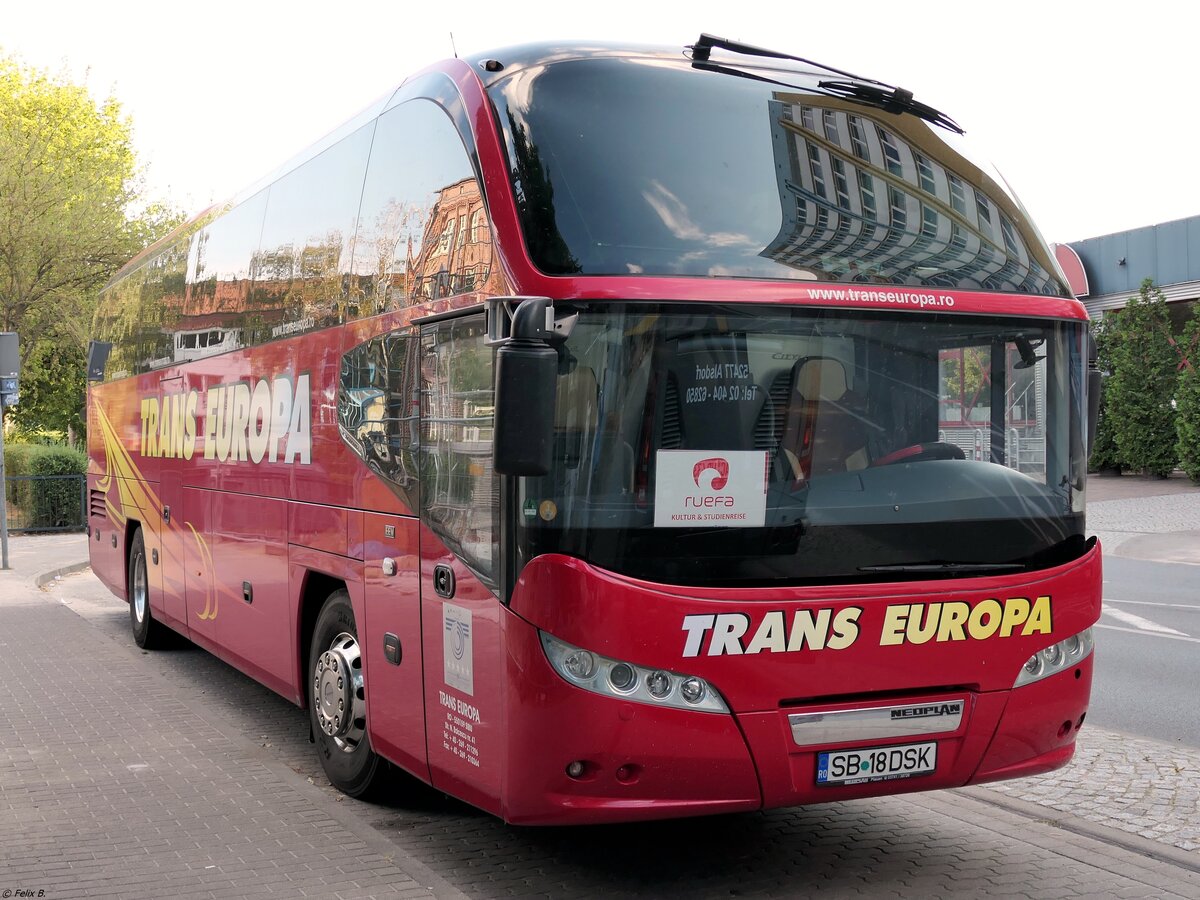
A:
{"points": [[3, 498]]}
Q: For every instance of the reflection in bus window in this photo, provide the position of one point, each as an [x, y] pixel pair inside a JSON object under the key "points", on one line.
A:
{"points": [[305, 247], [378, 409], [417, 194], [460, 493]]}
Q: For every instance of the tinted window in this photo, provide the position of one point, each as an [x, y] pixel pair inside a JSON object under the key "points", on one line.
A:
{"points": [[378, 406], [138, 314], [625, 166], [220, 273], [304, 251], [416, 240], [460, 494]]}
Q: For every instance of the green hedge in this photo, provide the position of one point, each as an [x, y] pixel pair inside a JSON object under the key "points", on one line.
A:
{"points": [[45, 504]]}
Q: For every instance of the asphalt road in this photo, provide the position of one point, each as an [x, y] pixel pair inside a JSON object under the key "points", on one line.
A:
{"points": [[1148, 651]]}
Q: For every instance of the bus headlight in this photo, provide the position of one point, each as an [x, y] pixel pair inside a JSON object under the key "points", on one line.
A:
{"points": [[625, 681], [1056, 658]]}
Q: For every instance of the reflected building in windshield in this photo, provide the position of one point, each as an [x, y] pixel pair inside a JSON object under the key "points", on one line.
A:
{"points": [[456, 250], [865, 202]]}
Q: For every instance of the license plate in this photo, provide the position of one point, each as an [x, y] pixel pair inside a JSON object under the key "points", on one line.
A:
{"points": [[876, 763]]}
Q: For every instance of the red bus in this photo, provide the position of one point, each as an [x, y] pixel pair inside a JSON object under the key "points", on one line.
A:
{"points": [[603, 434]]}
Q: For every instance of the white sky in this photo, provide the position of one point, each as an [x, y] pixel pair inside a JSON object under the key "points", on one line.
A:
{"points": [[1086, 108]]}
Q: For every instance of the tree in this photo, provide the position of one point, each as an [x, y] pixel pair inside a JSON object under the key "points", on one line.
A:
{"points": [[72, 210], [1141, 390], [1105, 455], [1187, 396]]}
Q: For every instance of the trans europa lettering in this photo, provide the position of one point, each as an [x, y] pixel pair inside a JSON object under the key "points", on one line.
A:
{"points": [[730, 634], [243, 421]]}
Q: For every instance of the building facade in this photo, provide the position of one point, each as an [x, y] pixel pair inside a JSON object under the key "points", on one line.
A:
{"points": [[1104, 272]]}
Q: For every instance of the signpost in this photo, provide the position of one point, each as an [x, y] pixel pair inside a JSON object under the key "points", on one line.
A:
{"points": [[10, 373]]}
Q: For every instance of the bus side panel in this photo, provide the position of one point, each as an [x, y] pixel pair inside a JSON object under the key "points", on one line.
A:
{"points": [[169, 573], [395, 689], [249, 547], [200, 587], [464, 678], [122, 479], [106, 544], [314, 465]]}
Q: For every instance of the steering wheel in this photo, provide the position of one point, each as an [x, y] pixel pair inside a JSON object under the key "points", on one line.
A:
{"points": [[920, 453]]}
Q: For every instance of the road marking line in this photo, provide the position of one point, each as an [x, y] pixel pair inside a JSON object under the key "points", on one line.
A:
{"points": [[1192, 607], [1141, 624], [1170, 637]]}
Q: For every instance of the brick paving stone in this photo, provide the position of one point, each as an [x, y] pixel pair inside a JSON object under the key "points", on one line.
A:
{"points": [[213, 794], [1127, 788]]}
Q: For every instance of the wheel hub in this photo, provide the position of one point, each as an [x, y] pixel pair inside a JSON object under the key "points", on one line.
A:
{"points": [[338, 696], [139, 588]]}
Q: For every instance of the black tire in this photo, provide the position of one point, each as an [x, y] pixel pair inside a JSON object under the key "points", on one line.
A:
{"points": [[339, 731], [148, 632]]}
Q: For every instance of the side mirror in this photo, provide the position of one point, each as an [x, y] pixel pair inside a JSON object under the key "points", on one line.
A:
{"points": [[97, 359], [526, 381], [1095, 389]]}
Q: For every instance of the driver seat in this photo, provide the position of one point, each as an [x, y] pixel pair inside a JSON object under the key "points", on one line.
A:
{"points": [[823, 433]]}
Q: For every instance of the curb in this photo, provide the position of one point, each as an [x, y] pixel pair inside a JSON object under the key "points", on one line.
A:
{"points": [[44, 578], [1135, 843]]}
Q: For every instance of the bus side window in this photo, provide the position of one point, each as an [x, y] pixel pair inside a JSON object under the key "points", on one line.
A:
{"points": [[303, 258], [419, 200], [460, 493], [379, 406]]}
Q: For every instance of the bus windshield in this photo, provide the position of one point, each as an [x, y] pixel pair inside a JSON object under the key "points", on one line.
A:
{"points": [[727, 445], [646, 166]]}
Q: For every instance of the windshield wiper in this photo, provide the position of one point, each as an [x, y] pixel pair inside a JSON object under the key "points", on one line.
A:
{"points": [[879, 94], [943, 568]]}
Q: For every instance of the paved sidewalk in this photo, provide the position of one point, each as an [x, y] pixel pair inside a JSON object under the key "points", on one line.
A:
{"points": [[110, 786], [1143, 517], [169, 774]]}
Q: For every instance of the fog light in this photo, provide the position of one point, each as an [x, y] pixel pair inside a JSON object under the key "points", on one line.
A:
{"points": [[622, 677], [580, 664], [575, 769], [692, 690], [658, 684]]}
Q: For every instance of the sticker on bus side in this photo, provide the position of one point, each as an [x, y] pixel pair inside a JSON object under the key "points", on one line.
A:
{"points": [[458, 666], [710, 488]]}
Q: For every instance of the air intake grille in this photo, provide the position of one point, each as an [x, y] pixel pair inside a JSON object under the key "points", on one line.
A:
{"points": [[672, 431], [96, 504]]}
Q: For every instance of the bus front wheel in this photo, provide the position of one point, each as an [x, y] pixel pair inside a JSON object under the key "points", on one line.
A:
{"points": [[337, 702]]}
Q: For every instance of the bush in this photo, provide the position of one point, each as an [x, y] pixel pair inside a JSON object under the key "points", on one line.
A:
{"points": [[1141, 391], [52, 503]]}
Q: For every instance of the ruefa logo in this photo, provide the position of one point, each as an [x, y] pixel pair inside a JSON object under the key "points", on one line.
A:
{"points": [[716, 464]]}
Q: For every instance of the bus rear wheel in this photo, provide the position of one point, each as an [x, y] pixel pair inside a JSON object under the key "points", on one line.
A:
{"points": [[148, 632], [337, 701]]}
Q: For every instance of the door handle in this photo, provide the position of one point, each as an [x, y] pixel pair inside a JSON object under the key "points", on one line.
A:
{"points": [[443, 581]]}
